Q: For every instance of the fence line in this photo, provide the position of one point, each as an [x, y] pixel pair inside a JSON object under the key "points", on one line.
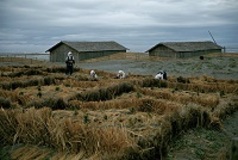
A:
{"points": [[24, 58], [21, 57], [128, 55], [231, 50]]}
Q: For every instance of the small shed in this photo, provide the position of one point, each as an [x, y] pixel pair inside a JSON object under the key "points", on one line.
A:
{"points": [[84, 50], [184, 49]]}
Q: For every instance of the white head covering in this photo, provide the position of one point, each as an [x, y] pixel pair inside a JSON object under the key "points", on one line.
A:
{"points": [[69, 53], [93, 75], [121, 74], [92, 72], [159, 76]]}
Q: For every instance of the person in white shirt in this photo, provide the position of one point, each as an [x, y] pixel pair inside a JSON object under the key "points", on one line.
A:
{"points": [[93, 75], [121, 74], [161, 75]]}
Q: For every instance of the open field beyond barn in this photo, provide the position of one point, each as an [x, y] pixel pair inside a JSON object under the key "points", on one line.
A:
{"points": [[48, 115]]}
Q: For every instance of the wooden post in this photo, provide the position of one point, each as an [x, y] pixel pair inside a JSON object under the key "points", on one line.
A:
{"points": [[234, 149]]}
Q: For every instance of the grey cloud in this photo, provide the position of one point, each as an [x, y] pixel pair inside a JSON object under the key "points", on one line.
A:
{"points": [[137, 24]]}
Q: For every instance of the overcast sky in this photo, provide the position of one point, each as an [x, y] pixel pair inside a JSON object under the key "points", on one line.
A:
{"points": [[35, 26]]}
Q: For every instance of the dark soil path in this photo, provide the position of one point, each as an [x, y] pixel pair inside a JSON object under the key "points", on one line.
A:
{"points": [[203, 144]]}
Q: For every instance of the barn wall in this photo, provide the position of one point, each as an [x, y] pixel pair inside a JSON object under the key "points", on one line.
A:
{"points": [[89, 55], [166, 52], [60, 53], [162, 51], [197, 53]]}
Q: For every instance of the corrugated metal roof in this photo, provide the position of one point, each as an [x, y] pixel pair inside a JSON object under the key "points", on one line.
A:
{"points": [[92, 46], [188, 46]]}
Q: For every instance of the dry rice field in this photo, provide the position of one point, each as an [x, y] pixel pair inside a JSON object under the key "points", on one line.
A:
{"points": [[48, 115]]}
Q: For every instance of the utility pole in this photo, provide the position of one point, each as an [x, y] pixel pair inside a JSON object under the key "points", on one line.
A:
{"points": [[224, 48], [212, 37]]}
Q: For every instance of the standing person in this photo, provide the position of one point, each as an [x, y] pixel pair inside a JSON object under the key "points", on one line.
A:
{"points": [[69, 63]]}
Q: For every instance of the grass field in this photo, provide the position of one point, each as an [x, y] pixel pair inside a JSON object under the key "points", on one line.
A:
{"points": [[48, 115]]}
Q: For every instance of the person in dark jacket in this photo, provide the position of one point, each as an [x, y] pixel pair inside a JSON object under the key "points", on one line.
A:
{"points": [[69, 63]]}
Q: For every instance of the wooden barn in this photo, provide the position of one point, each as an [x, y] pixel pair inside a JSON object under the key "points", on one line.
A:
{"points": [[184, 49], [83, 50]]}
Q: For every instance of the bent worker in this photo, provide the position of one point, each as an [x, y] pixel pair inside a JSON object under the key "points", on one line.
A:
{"points": [[161, 75], [93, 75], [121, 74]]}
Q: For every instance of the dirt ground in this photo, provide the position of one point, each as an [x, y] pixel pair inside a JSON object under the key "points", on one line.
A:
{"points": [[205, 144], [221, 67]]}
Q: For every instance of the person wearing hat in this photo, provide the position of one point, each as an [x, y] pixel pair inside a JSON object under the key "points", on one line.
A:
{"points": [[69, 63], [161, 75], [121, 74], [93, 75]]}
